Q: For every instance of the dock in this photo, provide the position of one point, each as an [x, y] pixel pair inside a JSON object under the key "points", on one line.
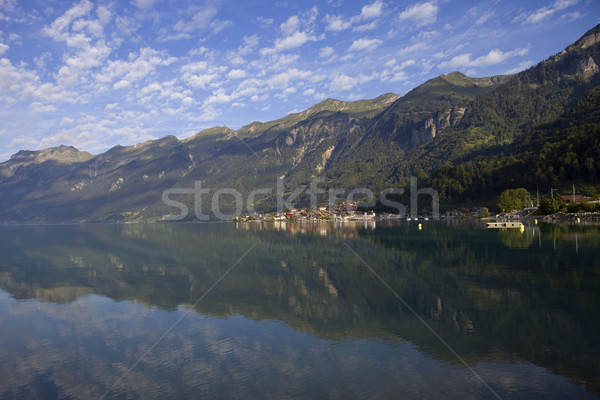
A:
{"points": [[505, 224]]}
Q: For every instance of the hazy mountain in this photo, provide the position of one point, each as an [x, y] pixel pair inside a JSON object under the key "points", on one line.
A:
{"points": [[456, 133]]}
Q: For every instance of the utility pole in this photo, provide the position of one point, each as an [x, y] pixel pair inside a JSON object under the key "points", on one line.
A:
{"points": [[573, 193]]}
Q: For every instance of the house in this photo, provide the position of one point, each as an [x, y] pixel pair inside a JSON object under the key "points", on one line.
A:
{"points": [[576, 198]]}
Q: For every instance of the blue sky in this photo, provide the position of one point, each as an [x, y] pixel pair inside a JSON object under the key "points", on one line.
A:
{"points": [[94, 74]]}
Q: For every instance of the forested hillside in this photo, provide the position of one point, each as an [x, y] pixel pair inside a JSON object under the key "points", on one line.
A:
{"points": [[468, 138]]}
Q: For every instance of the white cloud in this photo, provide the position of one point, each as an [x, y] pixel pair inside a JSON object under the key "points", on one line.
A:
{"points": [[366, 27], [8, 5], [217, 26], [15, 38], [364, 44], [134, 69], [371, 11], [164, 37], [412, 48], [265, 21], [201, 19], [422, 14], [288, 91], [41, 108], [66, 121], [569, 17], [314, 78], [288, 43], [150, 88], [201, 81], [398, 76], [282, 61], [250, 43], [407, 63], [238, 56], [79, 64], [122, 84], [187, 101], [202, 75], [219, 96], [544, 13], [236, 74], [494, 57], [293, 41], [394, 72], [290, 26], [92, 133], [337, 23], [42, 60], [33, 90], [195, 67], [83, 33], [24, 142], [297, 30], [342, 83], [348, 57], [71, 28], [249, 87], [326, 52], [282, 80], [521, 67]]}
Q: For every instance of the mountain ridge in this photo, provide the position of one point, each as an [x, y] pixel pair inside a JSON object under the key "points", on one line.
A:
{"points": [[379, 143]]}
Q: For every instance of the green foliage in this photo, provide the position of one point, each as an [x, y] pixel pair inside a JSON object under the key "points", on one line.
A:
{"points": [[554, 155], [552, 205], [512, 200], [582, 207]]}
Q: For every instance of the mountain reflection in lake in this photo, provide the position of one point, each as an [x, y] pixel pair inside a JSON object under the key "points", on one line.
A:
{"points": [[299, 315]]}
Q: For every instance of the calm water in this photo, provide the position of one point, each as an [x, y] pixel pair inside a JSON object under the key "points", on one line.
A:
{"points": [[299, 311]]}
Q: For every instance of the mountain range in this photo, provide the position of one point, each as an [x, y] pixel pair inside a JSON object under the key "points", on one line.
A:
{"points": [[467, 138]]}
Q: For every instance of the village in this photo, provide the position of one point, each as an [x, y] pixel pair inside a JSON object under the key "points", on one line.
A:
{"points": [[346, 211]]}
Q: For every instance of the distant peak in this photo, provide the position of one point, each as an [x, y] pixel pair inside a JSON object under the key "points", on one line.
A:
{"points": [[456, 74], [215, 130], [326, 104], [60, 153]]}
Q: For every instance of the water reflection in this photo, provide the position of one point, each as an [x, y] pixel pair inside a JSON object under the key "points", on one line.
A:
{"points": [[88, 300], [341, 229]]}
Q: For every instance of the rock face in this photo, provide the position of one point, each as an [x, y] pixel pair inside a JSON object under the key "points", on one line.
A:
{"points": [[589, 39], [588, 67], [431, 127]]}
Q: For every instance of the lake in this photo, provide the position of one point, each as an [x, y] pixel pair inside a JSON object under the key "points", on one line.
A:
{"points": [[300, 310]]}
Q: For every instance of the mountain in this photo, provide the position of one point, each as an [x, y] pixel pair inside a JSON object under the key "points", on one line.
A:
{"points": [[553, 155], [468, 138]]}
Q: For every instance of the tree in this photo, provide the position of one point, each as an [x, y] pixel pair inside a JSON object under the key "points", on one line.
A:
{"points": [[512, 199], [552, 205]]}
